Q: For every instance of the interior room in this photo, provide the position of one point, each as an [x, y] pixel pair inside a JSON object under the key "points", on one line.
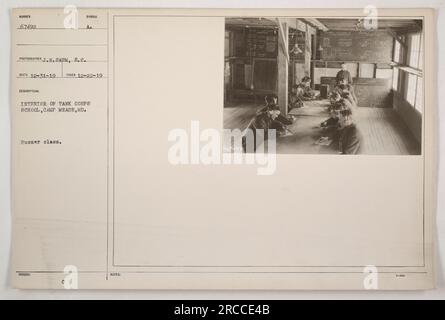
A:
{"points": [[270, 56]]}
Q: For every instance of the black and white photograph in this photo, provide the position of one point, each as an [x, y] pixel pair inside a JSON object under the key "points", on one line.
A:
{"points": [[326, 85]]}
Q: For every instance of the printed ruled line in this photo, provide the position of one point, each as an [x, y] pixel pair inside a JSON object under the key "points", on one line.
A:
{"points": [[41, 61], [62, 45], [62, 77], [73, 29], [224, 272], [107, 256]]}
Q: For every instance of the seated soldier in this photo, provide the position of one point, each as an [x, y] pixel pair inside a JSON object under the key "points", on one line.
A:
{"points": [[344, 87], [349, 135], [264, 121], [331, 126], [332, 121], [304, 90], [272, 101], [294, 99], [334, 97], [347, 99]]}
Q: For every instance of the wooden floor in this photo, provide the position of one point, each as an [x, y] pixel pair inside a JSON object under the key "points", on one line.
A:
{"points": [[384, 133], [238, 117]]}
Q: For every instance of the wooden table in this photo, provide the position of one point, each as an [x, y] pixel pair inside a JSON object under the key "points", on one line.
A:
{"points": [[307, 131]]}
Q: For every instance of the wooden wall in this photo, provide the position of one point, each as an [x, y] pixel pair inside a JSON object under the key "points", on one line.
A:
{"points": [[250, 62], [357, 46], [367, 54]]}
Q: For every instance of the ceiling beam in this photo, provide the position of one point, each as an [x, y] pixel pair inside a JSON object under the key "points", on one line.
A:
{"points": [[412, 29], [316, 24], [400, 26]]}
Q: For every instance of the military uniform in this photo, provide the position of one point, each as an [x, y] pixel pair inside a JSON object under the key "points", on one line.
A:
{"points": [[261, 122], [344, 75], [350, 140]]}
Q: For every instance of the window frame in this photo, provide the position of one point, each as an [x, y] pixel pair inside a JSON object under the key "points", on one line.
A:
{"points": [[406, 70]]}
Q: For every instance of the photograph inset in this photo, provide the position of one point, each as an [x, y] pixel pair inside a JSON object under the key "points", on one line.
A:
{"points": [[326, 85]]}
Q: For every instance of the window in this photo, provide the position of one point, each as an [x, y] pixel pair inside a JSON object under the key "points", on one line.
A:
{"points": [[366, 70], [227, 44], [419, 95], [352, 68], [411, 89], [420, 66], [395, 79], [414, 52], [397, 47], [409, 71], [384, 73]]}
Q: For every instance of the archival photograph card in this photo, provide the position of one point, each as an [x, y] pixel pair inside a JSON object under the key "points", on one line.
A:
{"points": [[223, 149]]}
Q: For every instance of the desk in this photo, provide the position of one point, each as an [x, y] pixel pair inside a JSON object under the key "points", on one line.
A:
{"points": [[307, 131]]}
